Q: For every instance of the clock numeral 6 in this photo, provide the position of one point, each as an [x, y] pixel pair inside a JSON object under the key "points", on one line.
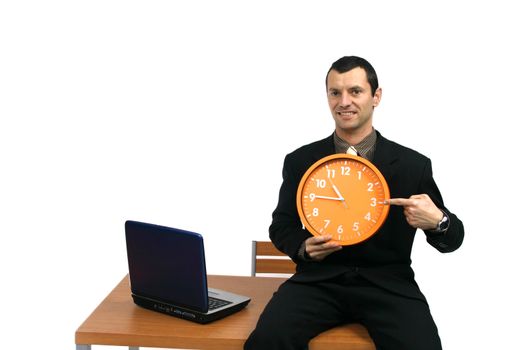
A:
{"points": [[340, 229]]}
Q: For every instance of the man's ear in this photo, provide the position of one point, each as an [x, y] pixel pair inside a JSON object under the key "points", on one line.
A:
{"points": [[377, 96]]}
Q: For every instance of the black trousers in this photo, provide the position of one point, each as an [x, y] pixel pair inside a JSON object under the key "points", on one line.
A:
{"points": [[298, 312]]}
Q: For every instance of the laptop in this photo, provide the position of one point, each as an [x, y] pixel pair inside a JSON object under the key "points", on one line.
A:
{"points": [[167, 272]]}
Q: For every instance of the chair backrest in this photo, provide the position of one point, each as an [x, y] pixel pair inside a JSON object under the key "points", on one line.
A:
{"points": [[268, 260]]}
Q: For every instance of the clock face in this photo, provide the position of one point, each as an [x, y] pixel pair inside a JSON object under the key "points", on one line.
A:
{"points": [[343, 195]]}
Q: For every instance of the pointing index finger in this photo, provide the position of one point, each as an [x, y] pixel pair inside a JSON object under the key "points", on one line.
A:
{"points": [[398, 201]]}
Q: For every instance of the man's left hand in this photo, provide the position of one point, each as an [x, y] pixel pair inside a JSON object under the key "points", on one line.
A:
{"points": [[419, 211]]}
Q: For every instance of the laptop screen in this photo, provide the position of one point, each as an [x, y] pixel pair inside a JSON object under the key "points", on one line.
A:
{"points": [[167, 264]]}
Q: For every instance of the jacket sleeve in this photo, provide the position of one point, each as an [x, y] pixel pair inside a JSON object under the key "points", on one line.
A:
{"points": [[451, 239], [286, 231]]}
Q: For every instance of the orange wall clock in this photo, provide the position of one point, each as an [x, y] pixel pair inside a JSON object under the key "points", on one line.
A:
{"points": [[343, 195]]}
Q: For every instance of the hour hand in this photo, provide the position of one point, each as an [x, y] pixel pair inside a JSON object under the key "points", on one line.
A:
{"points": [[339, 194]]}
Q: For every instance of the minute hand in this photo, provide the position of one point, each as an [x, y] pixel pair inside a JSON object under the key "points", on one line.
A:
{"points": [[331, 198]]}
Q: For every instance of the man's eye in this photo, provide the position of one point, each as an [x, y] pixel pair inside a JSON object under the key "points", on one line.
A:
{"points": [[334, 93], [356, 92]]}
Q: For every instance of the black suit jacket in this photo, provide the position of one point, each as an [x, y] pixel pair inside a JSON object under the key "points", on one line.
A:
{"points": [[384, 259]]}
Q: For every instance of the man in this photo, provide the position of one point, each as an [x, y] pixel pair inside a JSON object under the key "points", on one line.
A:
{"points": [[372, 282]]}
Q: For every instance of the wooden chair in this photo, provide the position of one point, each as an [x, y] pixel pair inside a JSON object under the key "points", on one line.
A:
{"points": [[267, 260]]}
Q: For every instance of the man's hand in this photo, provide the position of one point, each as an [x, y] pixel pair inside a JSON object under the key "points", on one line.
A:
{"points": [[420, 211], [319, 247]]}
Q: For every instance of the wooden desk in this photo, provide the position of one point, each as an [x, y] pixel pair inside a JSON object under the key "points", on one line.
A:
{"points": [[118, 321]]}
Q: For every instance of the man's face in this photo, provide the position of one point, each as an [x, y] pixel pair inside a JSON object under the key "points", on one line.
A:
{"points": [[351, 101]]}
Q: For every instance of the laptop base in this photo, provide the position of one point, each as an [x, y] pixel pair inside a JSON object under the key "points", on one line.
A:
{"points": [[191, 315]]}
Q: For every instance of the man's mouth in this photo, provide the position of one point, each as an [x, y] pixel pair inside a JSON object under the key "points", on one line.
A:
{"points": [[346, 113]]}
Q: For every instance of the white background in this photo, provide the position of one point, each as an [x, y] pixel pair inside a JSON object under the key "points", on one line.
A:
{"points": [[181, 113]]}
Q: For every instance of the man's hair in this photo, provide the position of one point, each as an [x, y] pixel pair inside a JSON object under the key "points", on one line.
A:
{"points": [[347, 63]]}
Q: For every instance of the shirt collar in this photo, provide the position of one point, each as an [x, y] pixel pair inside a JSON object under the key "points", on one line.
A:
{"points": [[365, 148]]}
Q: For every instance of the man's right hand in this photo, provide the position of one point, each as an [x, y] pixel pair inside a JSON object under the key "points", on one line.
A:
{"points": [[319, 247]]}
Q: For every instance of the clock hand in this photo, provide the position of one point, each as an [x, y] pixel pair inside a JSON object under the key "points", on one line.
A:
{"points": [[337, 191], [341, 198], [331, 198]]}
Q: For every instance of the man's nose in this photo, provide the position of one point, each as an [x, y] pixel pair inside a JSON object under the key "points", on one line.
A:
{"points": [[346, 99]]}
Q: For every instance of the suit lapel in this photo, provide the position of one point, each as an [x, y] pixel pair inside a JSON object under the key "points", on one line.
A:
{"points": [[326, 147], [385, 158]]}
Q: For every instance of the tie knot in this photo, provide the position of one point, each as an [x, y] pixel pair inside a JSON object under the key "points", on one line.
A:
{"points": [[351, 150]]}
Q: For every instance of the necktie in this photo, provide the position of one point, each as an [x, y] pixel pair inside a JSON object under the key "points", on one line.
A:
{"points": [[351, 150]]}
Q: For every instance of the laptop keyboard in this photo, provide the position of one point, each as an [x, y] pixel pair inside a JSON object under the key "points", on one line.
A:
{"points": [[214, 303]]}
